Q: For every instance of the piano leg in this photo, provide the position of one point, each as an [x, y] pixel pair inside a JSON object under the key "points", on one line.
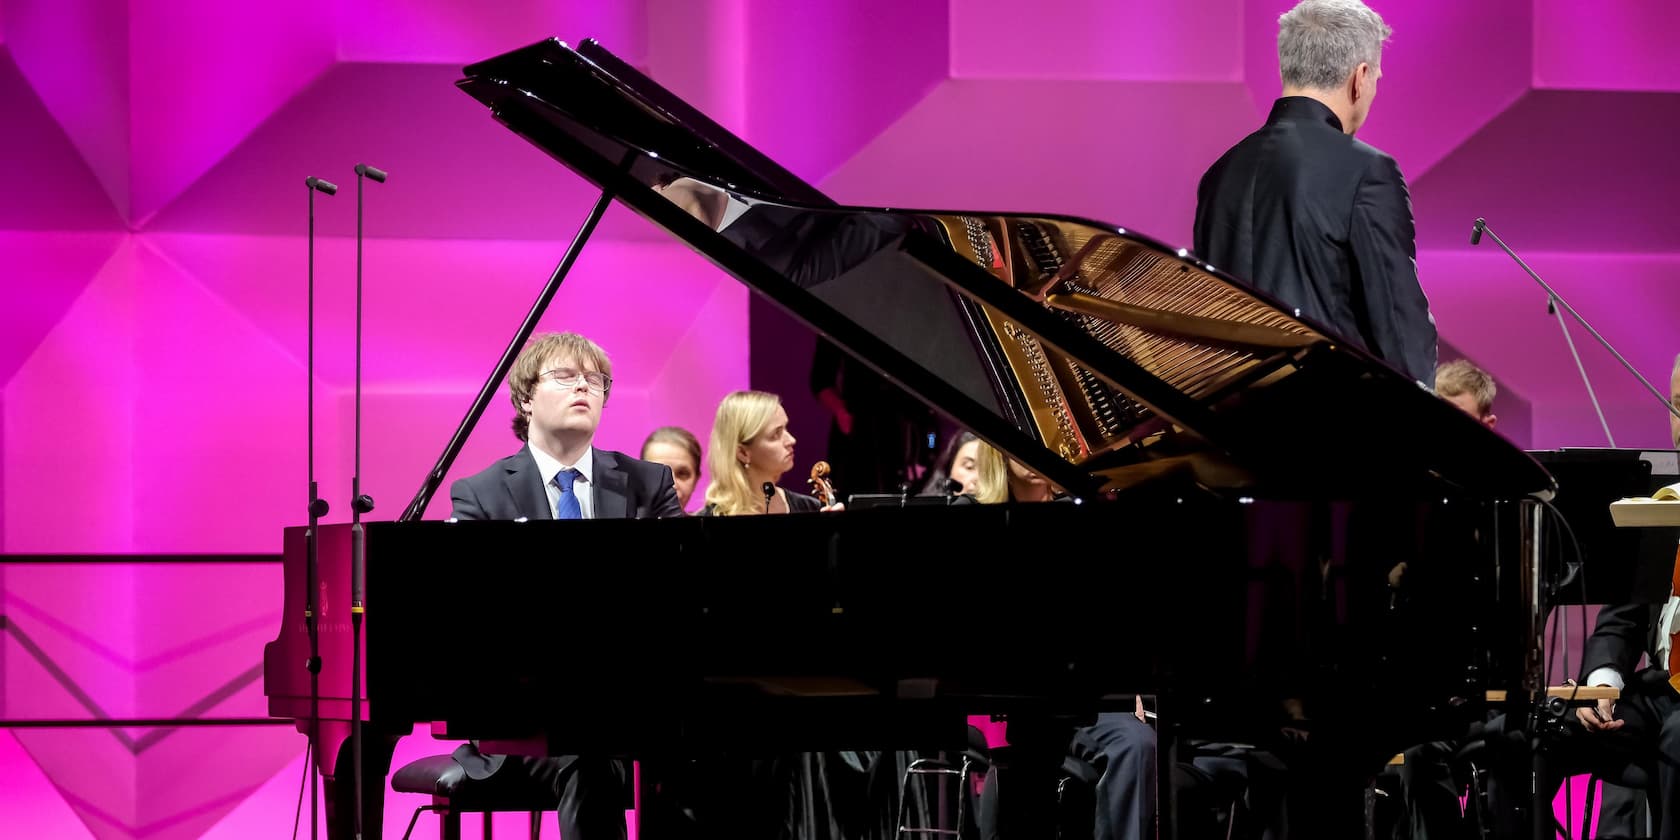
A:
{"points": [[334, 760]]}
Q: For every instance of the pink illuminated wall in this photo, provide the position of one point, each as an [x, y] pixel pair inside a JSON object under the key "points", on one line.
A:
{"points": [[152, 259]]}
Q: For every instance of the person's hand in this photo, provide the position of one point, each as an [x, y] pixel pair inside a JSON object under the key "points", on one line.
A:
{"points": [[837, 506], [1600, 717], [1139, 710]]}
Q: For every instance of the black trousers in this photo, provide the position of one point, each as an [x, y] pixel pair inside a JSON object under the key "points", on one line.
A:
{"points": [[592, 793], [1649, 740], [1020, 801]]}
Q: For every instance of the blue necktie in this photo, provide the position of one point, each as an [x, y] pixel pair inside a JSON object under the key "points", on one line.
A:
{"points": [[568, 508]]}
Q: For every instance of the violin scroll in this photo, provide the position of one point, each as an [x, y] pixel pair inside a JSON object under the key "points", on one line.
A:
{"points": [[821, 486]]}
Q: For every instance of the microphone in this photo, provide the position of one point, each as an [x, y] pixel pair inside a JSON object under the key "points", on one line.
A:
{"points": [[769, 493], [953, 487], [317, 509], [370, 172], [1476, 231]]}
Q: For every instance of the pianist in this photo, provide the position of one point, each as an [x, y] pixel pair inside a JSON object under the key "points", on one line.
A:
{"points": [[1313, 217], [559, 384]]}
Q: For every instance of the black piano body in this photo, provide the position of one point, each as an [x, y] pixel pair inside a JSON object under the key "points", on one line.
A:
{"points": [[886, 628], [1243, 485]]}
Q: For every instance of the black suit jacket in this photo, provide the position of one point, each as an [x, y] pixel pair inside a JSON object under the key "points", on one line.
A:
{"points": [[1323, 222], [624, 488], [1623, 633]]}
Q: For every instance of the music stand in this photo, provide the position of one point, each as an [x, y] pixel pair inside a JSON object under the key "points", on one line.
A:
{"points": [[1618, 565]]}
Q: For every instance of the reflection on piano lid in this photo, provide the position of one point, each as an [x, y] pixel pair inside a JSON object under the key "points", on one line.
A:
{"points": [[1097, 356]]}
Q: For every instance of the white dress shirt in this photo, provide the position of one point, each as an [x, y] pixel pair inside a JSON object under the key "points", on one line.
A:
{"points": [[583, 486]]}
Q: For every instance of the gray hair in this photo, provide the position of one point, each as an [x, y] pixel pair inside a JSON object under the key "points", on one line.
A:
{"points": [[1321, 41]]}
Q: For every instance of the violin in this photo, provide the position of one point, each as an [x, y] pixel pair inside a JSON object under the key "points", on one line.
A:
{"points": [[821, 487]]}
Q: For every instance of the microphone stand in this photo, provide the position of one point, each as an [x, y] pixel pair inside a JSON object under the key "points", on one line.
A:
{"points": [[359, 504], [317, 509], [1554, 300]]}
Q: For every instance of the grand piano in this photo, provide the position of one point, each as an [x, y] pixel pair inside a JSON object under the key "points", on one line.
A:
{"points": [[1243, 482]]}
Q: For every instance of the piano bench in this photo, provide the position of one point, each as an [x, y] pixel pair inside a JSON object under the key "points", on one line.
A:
{"points": [[454, 794]]}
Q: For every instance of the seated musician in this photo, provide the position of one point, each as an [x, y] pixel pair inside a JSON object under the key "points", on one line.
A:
{"points": [[956, 463], [1468, 387], [1019, 797], [559, 385], [1642, 728], [1647, 718], [999, 478], [751, 449], [679, 449], [1429, 784]]}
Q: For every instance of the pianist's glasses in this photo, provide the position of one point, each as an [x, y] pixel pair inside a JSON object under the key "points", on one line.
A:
{"points": [[568, 378]]}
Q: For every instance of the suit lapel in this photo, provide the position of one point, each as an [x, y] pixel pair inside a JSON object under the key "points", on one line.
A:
{"points": [[612, 487], [525, 487]]}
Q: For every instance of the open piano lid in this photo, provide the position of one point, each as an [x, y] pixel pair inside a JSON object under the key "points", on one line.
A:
{"points": [[1098, 357]]}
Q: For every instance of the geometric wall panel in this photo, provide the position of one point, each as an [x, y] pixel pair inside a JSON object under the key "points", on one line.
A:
{"points": [[48, 184], [836, 65], [204, 73], [29, 804], [1188, 40], [1090, 148], [459, 31], [45, 272], [1601, 181], [1496, 315], [455, 172], [75, 442], [1626, 45], [79, 644], [152, 262], [1449, 67], [75, 55]]}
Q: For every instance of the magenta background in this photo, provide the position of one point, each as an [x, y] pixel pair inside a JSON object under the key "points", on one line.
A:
{"points": [[152, 258]]}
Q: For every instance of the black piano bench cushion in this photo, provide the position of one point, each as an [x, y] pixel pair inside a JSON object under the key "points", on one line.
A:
{"points": [[434, 775], [443, 778]]}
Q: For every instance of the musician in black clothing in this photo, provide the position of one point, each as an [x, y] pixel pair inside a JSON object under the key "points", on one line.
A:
{"points": [[1642, 728], [751, 448], [679, 449], [1313, 217]]}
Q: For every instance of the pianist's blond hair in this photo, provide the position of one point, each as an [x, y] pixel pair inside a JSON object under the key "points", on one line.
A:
{"points": [[740, 418], [542, 353], [1461, 377]]}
